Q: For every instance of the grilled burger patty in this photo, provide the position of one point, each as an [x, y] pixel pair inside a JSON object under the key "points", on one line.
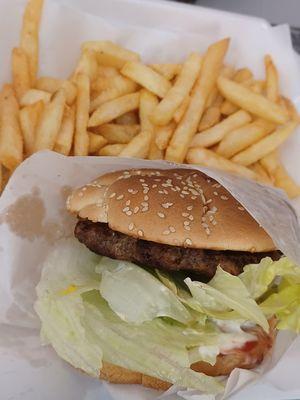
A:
{"points": [[102, 240]]}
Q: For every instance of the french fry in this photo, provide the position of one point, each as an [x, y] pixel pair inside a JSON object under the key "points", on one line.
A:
{"points": [[242, 75], [290, 108], [139, 146], [110, 54], [115, 133], [33, 96], [29, 42], [169, 71], [270, 162], [146, 77], [216, 133], [114, 82], [96, 142], [148, 103], [52, 85], [49, 123], [258, 87], [210, 117], [182, 109], [252, 102], [114, 108], [228, 108], [129, 118], [272, 80], [261, 173], [164, 134], [284, 181], [11, 143], [107, 72], [243, 137], [20, 72], [266, 145], [29, 117], [210, 159], [164, 111], [87, 65], [64, 140], [215, 98], [187, 127], [119, 86], [112, 150], [81, 139]]}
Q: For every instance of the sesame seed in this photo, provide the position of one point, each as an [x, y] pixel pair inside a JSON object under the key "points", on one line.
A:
{"points": [[161, 215], [182, 196], [144, 203], [187, 228], [224, 197], [216, 185], [142, 180], [84, 188], [131, 226], [120, 197], [211, 218], [177, 188], [186, 223], [167, 205], [194, 192], [127, 203], [191, 218], [161, 192], [185, 214], [193, 197], [188, 242], [185, 192], [126, 173], [125, 209], [204, 209], [144, 209], [129, 212], [145, 185], [140, 232], [207, 231], [216, 193], [165, 191], [204, 225], [241, 208], [166, 232], [157, 180], [136, 209], [172, 229], [189, 208], [208, 201], [214, 222], [208, 180], [146, 190], [146, 198], [112, 195], [154, 186], [135, 191], [203, 198], [203, 219]]}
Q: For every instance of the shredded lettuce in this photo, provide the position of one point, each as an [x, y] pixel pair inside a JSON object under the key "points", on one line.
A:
{"points": [[94, 309]]}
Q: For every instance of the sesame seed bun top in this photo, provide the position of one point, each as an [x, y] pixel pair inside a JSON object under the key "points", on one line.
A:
{"points": [[180, 207]]}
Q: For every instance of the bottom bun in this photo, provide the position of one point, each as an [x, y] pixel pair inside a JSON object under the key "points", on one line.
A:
{"points": [[247, 357]]}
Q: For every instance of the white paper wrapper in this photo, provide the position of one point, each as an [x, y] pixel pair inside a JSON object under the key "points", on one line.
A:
{"points": [[28, 371]]}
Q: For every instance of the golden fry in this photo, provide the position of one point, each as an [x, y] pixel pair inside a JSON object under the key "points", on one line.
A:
{"points": [[87, 65], [261, 173], [29, 42], [164, 134], [29, 117], [265, 145], [188, 125], [182, 109], [284, 181], [139, 146], [112, 150], [96, 142], [288, 105], [33, 96], [210, 117], [115, 133], [216, 133], [210, 159], [166, 109], [64, 140], [146, 77], [11, 143], [129, 118], [110, 54], [114, 109], [52, 85], [243, 137], [169, 71], [250, 101], [49, 123], [81, 139], [242, 75], [272, 80], [20, 72], [270, 162]]}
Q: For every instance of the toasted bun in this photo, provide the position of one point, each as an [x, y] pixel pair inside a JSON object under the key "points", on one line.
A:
{"points": [[180, 207], [237, 358]]}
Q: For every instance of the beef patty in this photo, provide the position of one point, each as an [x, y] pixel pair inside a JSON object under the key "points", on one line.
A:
{"points": [[102, 240]]}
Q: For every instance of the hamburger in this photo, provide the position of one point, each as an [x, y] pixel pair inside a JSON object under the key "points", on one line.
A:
{"points": [[174, 282]]}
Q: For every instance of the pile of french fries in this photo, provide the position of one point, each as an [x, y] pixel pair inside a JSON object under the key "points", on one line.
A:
{"points": [[200, 111]]}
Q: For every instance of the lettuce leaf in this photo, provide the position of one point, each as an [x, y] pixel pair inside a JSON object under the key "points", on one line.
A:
{"points": [[258, 277], [135, 295], [225, 292]]}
